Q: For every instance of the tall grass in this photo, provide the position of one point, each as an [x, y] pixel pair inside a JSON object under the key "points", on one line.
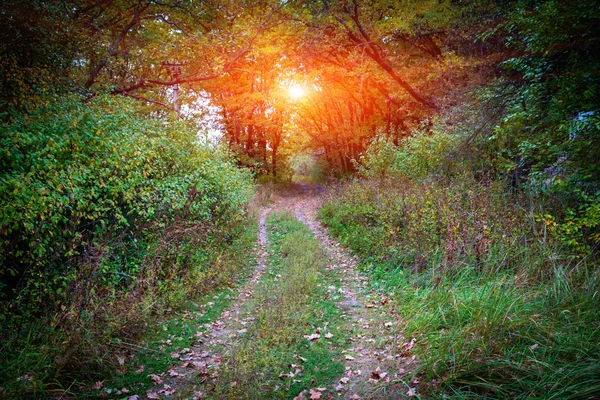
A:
{"points": [[499, 309]]}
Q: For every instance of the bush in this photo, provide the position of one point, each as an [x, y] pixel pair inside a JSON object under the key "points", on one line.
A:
{"points": [[498, 306], [106, 214], [417, 156]]}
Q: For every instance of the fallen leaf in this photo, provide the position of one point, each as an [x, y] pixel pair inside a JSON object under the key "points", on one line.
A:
{"points": [[152, 395], [98, 385], [313, 337], [314, 394], [355, 397], [411, 392], [140, 370], [345, 380], [134, 397], [533, 347], [377, 375], [300, 397], [328, 335], [156, 379], [339, 388], [349, 358], [410, 345], [121, 360], [198, 395]]}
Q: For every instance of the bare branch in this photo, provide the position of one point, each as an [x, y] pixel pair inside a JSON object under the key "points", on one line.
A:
{"points": [[113, 48], [375, 53]]}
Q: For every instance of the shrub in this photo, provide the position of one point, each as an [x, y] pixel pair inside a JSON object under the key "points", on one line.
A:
{"points": [[106, 214], [498, 306]]}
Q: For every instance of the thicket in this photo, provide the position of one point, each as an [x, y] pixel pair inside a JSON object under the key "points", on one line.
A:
{"points": [[497, 304], [108, 214]]}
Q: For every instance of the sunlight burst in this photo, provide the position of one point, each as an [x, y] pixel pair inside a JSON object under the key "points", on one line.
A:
{"points": [[296, 91]]}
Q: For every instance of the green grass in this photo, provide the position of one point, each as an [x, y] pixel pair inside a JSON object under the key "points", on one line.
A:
{"points": [[516, 318], [289, 303], [158, 332]]}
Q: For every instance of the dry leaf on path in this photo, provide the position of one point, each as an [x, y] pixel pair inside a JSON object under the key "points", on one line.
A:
{"points": [[156, 379], [313, 337], [410, 345]]}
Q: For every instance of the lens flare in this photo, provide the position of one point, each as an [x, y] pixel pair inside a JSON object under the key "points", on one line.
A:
{"points": [[296, 91]]}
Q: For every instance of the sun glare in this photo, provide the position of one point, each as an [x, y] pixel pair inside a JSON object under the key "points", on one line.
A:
{"points": [[296, 91]]}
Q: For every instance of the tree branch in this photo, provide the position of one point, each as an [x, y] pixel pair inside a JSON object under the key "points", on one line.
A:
{"points": [[113, 48], [374, 52]]}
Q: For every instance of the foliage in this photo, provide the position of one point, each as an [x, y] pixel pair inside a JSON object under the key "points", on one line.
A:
{"points": [[104, 209], [497, 309], [417, 156], [178, 330], [549, 135]]}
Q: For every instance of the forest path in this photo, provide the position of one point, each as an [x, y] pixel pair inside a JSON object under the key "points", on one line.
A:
{"points": [[374, 363], [378, 360]]}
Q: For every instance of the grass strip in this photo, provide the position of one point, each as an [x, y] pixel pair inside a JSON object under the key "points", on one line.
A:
{"points": [[292, 344]]}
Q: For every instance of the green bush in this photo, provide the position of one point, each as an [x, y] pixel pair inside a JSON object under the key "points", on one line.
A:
{"points": [[482, 272], [106, 213], [417, 156]]}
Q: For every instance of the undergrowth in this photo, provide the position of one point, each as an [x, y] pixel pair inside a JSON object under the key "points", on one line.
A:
{"points": [[108, 217], [274, 359], [499, 307], [126, 365]]}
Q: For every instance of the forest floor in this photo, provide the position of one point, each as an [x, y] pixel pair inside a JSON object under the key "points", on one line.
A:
{"points": [[229, 357]]}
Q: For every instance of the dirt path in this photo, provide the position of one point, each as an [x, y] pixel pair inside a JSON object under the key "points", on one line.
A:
{"points": [[375, 364], [378, 360]]}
